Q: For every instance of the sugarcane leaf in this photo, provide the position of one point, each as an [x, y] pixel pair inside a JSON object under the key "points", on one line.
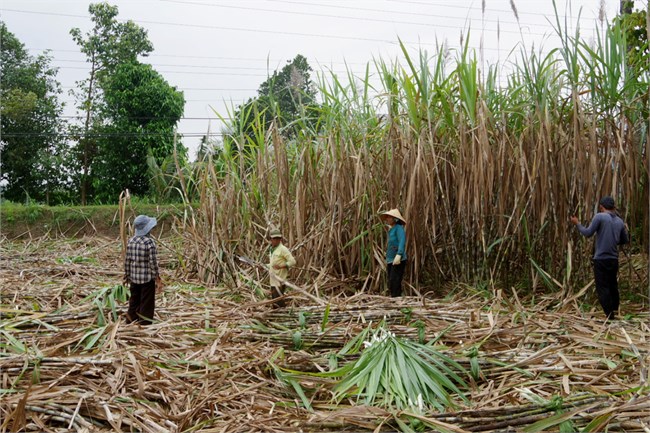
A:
{"points": [[597, 424], [326, 316], [301, 393], [547, 423], [14, 343], [404, 427]]}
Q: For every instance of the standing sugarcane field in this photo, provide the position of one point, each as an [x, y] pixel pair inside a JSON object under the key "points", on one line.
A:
{"points": [[427, 241]]}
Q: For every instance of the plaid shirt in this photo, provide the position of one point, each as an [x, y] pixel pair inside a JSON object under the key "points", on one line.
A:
{"points": [[141, 263]]}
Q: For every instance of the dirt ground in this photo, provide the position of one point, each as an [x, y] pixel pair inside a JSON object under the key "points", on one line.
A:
{"points": [[69, 362]]}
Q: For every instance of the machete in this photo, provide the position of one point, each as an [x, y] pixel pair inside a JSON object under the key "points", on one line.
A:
{"points": [[252, 262]]}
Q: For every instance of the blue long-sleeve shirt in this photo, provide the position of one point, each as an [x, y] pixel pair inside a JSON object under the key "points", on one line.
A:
{"points": [[610, 232], [396, 243]]}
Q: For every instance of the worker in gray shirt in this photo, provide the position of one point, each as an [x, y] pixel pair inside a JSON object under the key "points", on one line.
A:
{"points": [[610, 232]]}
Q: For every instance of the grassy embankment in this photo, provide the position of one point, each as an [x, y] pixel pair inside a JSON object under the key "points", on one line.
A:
{"points": [[18, 221]]}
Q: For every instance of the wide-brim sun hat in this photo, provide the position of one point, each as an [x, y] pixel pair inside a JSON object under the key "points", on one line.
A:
{"points": [[395, 213], [275, 233], [143, 224]]}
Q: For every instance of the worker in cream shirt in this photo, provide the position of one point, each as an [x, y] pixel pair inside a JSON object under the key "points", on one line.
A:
{"points": [[280, 260]]}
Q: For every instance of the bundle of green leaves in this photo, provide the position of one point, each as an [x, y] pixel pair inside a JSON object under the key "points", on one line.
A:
{"points": [[395, 372]]}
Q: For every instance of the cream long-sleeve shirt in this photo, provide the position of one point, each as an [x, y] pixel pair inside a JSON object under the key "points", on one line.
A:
{"points": [[281, 256]]}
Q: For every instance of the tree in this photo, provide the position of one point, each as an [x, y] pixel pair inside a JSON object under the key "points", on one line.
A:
{"points": [[634, 26], [108, 44], [30, 111], [287, 92], [141, 111], [285, 97]]}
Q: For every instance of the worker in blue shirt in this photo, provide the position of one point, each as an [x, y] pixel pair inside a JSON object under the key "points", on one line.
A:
{"points": [[395, 251], [610, 232]]}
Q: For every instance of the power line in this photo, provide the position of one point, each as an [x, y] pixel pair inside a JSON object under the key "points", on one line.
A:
{"points": [[213, 27], [178, 66], [446, 4], [419, 14], [227, 74], [181, 72], [183, 56], [380, 20]]}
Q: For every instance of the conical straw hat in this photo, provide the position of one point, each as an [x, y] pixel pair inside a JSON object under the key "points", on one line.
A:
{"points": [[395, 214]]}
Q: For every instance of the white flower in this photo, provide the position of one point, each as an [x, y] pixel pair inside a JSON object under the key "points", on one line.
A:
{"points": [[419, 403], [378, 337]]}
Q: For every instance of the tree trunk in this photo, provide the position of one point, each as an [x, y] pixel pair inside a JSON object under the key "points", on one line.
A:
{"points": [[86, 141]]}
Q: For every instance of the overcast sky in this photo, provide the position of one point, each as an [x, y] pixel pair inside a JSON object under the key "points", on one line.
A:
{"points": [[218, 52]]}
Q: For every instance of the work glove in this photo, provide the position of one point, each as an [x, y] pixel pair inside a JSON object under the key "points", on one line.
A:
{"points": [[397, 260]]}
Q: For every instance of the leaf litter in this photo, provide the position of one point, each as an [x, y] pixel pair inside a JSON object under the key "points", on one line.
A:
{"points": [[210, 361]]}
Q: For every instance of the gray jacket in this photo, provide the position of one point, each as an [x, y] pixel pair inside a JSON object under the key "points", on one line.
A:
{"points": [[610, 232]]}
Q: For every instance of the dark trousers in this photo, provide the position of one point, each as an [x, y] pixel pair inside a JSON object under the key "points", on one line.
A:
{"points": [[605, 275], [142, 302], [276, 292], [395, 273]]}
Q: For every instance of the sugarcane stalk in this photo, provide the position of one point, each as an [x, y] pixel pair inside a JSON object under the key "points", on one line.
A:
{"points": [[60, 416], [65, 361]]}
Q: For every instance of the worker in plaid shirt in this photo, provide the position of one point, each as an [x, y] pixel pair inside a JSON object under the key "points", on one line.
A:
{"points": [[141, 271]]}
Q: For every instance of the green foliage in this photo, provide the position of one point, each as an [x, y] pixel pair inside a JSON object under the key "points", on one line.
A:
{"points": [[12, 212], [32, 153], [16, 219], [398, 373], [10, 343], [634, 27], [36, 372], [111, 42], [475, 369], [107, 46], [107, 298], [287, 92], [297, 340], [289, 379], [92, 338], [421, 327], [326, 316], [165, 183], [141, 111], [287, 98], [302, 319], [33, 212], [75, 260], [391, 372], [561, 419]]}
